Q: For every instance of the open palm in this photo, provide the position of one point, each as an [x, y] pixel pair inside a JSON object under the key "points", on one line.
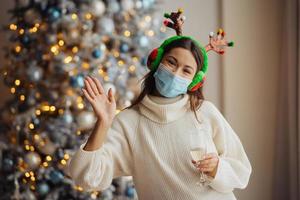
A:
{"points": [[103, 105]]}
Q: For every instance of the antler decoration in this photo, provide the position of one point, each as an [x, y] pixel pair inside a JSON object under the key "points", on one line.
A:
{"points": [[218, 43], [176, 22]]}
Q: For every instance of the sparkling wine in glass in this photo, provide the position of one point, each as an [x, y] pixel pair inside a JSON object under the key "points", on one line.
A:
{"points": [[198, 150]]}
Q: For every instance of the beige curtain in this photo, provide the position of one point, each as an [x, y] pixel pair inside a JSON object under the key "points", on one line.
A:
{"points": [[287, 161]]}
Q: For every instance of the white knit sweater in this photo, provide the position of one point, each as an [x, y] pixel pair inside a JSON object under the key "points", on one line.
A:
{"points": [[151, 143]]}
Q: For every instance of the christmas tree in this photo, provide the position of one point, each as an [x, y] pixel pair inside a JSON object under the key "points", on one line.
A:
{"points": [[53, 45]]}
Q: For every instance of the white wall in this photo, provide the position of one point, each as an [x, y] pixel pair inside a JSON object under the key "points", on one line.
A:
{"points": [[250, 85]]}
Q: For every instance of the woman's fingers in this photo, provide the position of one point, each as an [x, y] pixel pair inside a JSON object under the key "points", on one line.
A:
{"points": [[99, 86], [93, 85], [89, 88], [111, 97], [86, 94]]}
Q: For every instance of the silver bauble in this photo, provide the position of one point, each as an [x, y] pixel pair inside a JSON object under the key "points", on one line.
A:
{"points": [[33, 160], [85, 120], [97, 8]]}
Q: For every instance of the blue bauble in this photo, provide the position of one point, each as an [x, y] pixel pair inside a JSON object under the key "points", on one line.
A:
{"points": [[42, 188], [56, 176], [77, 81], [124, 47], [130, 192], [143, 41], [54, 14], [148, 3], [144, 61], [97, 53], [25, 40], [7, 164]]}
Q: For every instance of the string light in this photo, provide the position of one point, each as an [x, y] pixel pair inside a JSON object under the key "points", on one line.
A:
{"points": [[33, 29], [74, 16], [100, 71], [120, 62], [45, 164], [21, 31], [135, 59], [45, 108], [75, 49], [68, 59], [32, 148], [27, 174], [63, 162], [18, 48], [116, 54], [38, 112], [78, 188], [61, 43], [36, 137], [88, 16], [54, 49], [66, 156], [52, 108], [127, 33], [22, 97], [27, 147], [132, 68], [147, 18], [31, 126], [85, 65], [17, 82], [150, 33], [60, 111], [80, 105], [13, 27], [106, 78], [48, 158], [12, 90]]}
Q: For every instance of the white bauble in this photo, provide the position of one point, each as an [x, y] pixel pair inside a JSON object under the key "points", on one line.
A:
{"points": [[85, 120], [97, 8], [127, 5]]}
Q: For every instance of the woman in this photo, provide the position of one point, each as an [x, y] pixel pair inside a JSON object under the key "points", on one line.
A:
{"points": [[150, 140]]}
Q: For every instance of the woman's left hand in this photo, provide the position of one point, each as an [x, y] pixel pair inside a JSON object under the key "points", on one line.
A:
{"points": [[208, 165]]}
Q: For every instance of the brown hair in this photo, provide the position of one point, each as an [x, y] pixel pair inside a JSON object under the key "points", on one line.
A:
{"points": [[148, 85]]}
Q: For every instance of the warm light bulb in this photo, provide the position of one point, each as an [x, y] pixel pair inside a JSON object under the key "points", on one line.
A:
{"points": [[13, 27], [127, 33], [61, 42], [74, 16], [18, 48]]}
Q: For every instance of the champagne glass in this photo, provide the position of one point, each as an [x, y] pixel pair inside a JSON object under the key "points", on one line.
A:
{"points": [[198, 148]]}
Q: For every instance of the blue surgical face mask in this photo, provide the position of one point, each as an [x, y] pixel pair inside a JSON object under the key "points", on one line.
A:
{"points": [[169, 84]]}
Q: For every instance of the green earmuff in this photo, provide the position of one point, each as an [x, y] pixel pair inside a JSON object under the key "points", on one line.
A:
{"points": [[156, 55]]}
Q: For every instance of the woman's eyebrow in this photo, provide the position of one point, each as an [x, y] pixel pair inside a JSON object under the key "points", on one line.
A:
{"points": [[172, 57]]}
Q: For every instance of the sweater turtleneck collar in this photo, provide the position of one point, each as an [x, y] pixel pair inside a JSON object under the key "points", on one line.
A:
{"points": [[162, 109]]}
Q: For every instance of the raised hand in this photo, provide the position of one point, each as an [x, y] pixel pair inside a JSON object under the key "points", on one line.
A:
{"points": [[103, 105], [218, 43]]}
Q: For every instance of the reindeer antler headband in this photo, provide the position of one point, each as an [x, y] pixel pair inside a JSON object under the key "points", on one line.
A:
{"points": [[217, 43]]}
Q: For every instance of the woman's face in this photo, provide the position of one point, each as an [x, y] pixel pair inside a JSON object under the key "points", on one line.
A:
{"points": [[180, 62]]}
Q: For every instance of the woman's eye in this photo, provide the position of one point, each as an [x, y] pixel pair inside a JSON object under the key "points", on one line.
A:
{"points": [[171, 62], [187, 71]]}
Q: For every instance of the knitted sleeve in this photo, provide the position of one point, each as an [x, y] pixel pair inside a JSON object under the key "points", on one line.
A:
{"points": [[94, 170], [234, 168]]}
